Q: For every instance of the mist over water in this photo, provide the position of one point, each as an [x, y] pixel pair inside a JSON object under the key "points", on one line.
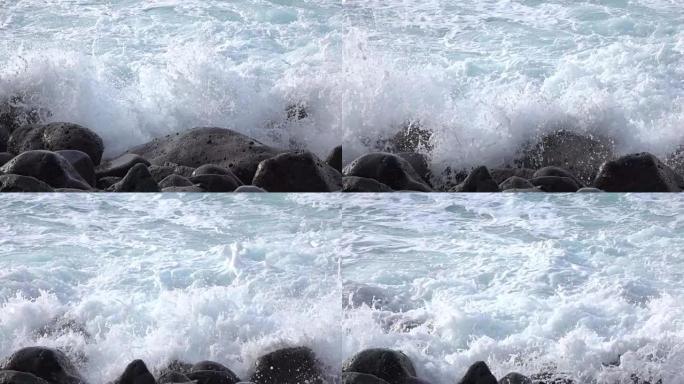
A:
{"points": [[485, 76]]}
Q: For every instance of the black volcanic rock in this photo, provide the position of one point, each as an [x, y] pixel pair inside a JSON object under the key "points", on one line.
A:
{"points": [[334, 158], [82, 163], [478, 373], [57, 137], [174, 180], [388, 169], [217, 183], [16, 377], [556, 171], [299, 171], [501, 174], [49, 364], [361, 378], [638, 172], [18, 183], [213, 376], [392, 366], [478, 180], [119, 166], [363, 184], [136, 373], [46, 166], [515, 378], [420, 164], [555, 184], [515, 182], [138, 179], [288, 366]]}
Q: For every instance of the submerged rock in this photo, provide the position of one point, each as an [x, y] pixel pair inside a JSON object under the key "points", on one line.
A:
{"points": [[138, 179], [49, 364], [209, 145], [136, 373], [46, 166], [363, 184], [478, 180], [299, 171], [392, 366], [19, 183], [478, 373], [388, 169], [57, 137], [288, 366], [638, 172]]}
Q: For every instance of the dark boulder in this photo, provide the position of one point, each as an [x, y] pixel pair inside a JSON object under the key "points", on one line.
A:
{"points": [[211, 169], [173, 377], [515, 182], [160, 172], [420, 164], [478, 180], [388, 169], [478, 373], [217, 183], [106, 182], [638, 172], [361, 378], [192, 188], [207, 365], [523, 190], [57, 137], [136, 373], [138, 179], [555, 184], [16, 377], [213, 377], [176, 366], [501, 174], [551, 378], [207, 145], [363, 184], [174, 180], [581, 154], [49, 364], [515, 378], [18, 183], [299, 171], [82, 163], [334, 158], [288, 366], [392, 366], [249, 188], [119, 166], [556, 171], [5, 157], [46, 166]]}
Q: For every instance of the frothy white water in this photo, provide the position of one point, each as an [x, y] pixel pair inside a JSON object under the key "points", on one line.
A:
{"points": [[170, 277], [527, 283], [484, 75]]}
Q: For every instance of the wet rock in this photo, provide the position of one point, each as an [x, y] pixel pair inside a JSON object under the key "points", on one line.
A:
{"points": [[16, 112], [207, 365], [160, 172], [523, 190], [556, 171], [46, 166], [515, 378], [363, 184], [288, 366], [412, 137], [173, 377], [501, 174], [106, 182], [589, 190], [191, 189], [213, 377], [136, 373], [555, 184], [18, 183], [478, 373], [249, 188], [211, 169], [388, 169], [638, 172], [361, 378], [296, 111], [216, 183], [57, 137], [209, 145], [299, 171], [676, 160], [392, 366], [515, 182], [581, 154], [49, 364], [334, 159], [82, 163], [5, 157], [15, 377], [420, 164], [119, 166], [174, 180], [478, 180], [138, 179], [177, 366], [550, 378]]}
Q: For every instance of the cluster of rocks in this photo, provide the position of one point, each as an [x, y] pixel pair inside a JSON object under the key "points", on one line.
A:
{"points": [[67, 157], [560, 162]]}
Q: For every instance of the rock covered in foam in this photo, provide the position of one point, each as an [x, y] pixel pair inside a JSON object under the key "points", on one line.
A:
{"points": [[299, 171], [288, 366], [638, 172], [48, 364], [388, 169], [392, 366], [56, 137], [46, 166]]}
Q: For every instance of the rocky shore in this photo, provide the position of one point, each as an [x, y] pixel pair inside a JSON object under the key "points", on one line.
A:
{"points": [[294, 365]]}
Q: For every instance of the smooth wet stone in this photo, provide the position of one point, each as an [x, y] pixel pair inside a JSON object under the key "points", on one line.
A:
{"points": [[82, 163], [515, 182], [589, 190], [420, 164], [208, 365], [56, 137], [558, 172], [515, 378], [555, 184], [478, 373], [19, 183], [5, 157], [388, 169], [46, 166], [213, 377], [174, 180], [160, 172], [334, 158], [138, 179], [392, 366], [106, 182], [209, 145], [363, 184], [581, 154], [299, 171], [361, 378], [288, 366], [136, 373], [478, 180], [501, 174], [16, 377], [249, 188], [49, 364], [638, 172], [190, 189], [172, 378], [211, 169], [119, 166], [217, 183]]}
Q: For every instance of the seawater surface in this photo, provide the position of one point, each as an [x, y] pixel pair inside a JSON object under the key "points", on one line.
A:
{"points": [[484, 75]]}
